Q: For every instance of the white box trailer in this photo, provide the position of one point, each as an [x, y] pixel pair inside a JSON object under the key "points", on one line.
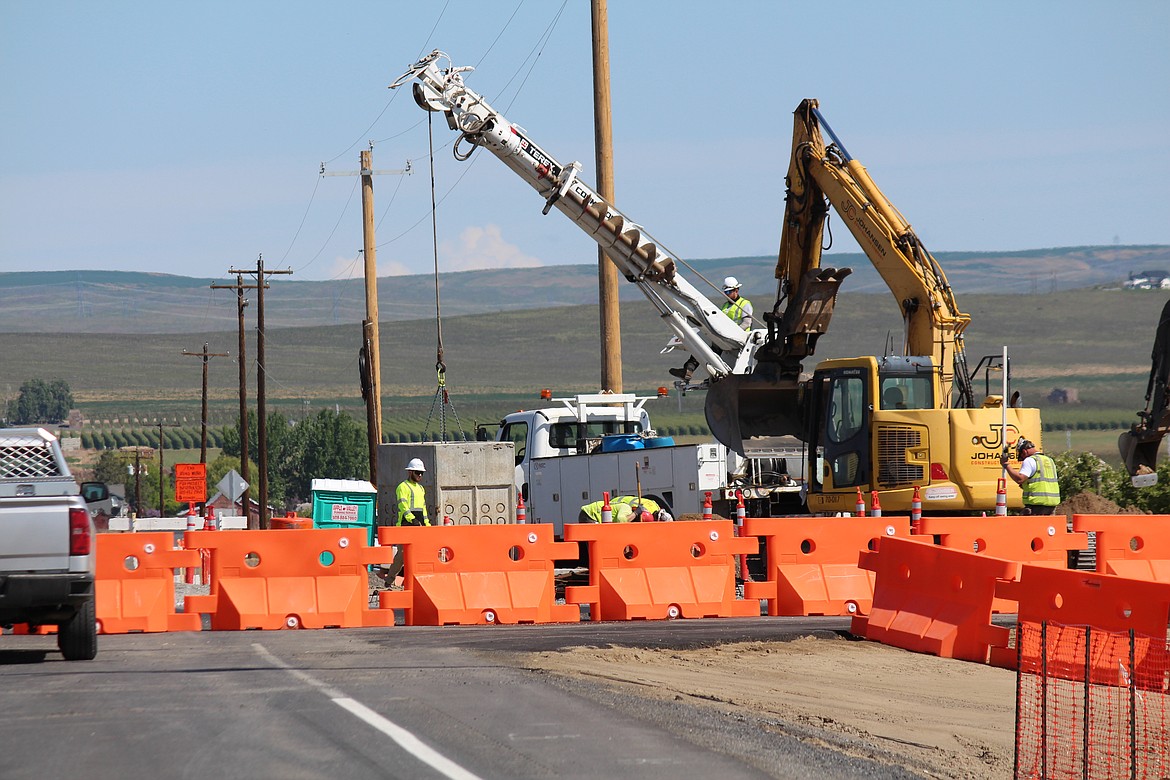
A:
{"points": [[471, 482], [676, 476]]}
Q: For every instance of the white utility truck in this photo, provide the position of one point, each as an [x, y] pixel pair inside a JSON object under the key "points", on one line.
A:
{"points": [[571, 451]]}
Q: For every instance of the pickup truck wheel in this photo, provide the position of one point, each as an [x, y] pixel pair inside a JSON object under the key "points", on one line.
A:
{"points": [[77, 639]]}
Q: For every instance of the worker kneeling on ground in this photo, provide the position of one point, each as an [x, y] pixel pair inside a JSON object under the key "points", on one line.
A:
{"points": [[626, 509]]}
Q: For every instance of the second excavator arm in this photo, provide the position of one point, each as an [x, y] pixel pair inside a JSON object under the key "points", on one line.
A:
{"points": [[703, 328]]}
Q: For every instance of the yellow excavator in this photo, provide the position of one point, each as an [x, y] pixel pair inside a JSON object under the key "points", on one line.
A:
{"points": [[891, 423]]}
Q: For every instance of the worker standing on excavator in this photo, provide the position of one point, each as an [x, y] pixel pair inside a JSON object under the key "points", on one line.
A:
{"points": [[738, 308], [1037, 476]]}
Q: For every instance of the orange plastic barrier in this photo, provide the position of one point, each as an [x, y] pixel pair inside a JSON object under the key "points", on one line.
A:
{"points": [[135, 584], [933, 600], [1037, 540], [313, 578], [478, 574], [1101, 601], [661, 570], [1134, 546], [812, 562]]}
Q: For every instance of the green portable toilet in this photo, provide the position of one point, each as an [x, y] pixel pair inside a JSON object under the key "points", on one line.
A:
{"points": [[345, 503]]}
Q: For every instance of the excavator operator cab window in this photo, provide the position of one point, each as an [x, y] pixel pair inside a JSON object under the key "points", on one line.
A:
{"points": [[906, 392]]}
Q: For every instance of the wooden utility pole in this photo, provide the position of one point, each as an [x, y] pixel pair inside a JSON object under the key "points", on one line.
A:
{"points": [[203, 419], [370, 331], [372, 374], [607, 275], [241, 304], [261, 396]]}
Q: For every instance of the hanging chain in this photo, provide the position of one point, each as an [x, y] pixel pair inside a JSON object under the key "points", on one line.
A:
{"points": [[442, 398]]}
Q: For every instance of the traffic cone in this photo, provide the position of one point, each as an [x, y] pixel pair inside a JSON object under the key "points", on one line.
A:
{"points": [[192, 518], [707, 506], [876, 509], [606, 509], [521, 511], [1001, 498], [447, 520], [859, 505], [209, 521], [740, 513], [915, 511]]}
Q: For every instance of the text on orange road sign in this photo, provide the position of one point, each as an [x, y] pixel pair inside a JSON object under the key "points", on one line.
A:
{"points": [[191, 482]]}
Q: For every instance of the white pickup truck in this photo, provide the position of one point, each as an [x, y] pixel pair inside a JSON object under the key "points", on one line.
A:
{"points": [[568, 454], [47, 550]]}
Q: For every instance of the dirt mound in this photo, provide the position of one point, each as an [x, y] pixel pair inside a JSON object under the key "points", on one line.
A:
{"points": [[1093, 504]]}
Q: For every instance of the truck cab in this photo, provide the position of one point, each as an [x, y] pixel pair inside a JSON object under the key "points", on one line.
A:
{"points": [[573, 428]]}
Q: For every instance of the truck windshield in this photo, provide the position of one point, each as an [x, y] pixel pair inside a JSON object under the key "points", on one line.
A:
{"points": [[564, 434]]}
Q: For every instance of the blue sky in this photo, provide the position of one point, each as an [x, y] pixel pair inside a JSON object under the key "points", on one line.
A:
{"points": [[187, 138]]}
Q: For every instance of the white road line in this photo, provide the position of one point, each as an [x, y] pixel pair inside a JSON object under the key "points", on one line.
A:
{"points": [[405, 739]]}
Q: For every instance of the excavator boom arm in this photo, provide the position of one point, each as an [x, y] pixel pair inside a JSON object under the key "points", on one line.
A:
{"points": [[818, 174]]}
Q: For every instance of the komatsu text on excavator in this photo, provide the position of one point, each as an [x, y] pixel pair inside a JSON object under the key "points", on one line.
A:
{"points": [[891, 423]]}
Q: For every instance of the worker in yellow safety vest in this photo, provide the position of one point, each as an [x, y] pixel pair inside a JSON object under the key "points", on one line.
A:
{"points": [[626, 509], [1036, 476], [738, 308], [412, 506], [411, 509]]}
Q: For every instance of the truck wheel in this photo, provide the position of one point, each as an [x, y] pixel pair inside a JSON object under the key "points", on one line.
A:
{"points": [[77, 639]]}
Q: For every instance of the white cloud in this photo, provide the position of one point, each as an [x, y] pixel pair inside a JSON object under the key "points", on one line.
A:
{"points": [[478, 248]]}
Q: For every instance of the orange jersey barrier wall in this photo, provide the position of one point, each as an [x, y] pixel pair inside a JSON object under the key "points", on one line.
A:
{"points": [[812, 562], [661, 570], [930, 599], [135, 583], [312, 578], [1135, 546], [1036, 540], [475, 574], [1040, 540], [1113, 605]]}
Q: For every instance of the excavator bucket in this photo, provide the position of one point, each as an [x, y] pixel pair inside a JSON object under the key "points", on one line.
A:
{"points": [[1140, 457], [744, 407]]}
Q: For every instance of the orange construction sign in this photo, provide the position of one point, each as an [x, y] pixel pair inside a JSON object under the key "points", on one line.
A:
{"points": [[191, 483]]}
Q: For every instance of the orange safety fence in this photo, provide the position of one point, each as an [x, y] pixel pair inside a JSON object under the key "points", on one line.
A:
{"points": [[314, 578], [661, 570], [1072, 724], [1135, 546], [135, 584], [930, 599], [478, 574], [812, 562], [1107, 602]]}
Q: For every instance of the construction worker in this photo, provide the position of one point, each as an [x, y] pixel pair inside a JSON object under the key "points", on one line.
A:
{"points": [[738, 308], [626, 509], [412, 506], [411, 510], [1036, 476]]}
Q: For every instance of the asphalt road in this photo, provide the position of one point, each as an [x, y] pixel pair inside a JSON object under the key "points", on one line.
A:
{"points": [[403, 702]]}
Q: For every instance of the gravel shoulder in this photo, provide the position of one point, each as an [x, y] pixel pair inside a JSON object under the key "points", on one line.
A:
{"points": [[933, 717]]}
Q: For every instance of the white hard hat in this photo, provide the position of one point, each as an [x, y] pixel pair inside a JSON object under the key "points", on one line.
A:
{"points": [[415, 465], [730, 283]]}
